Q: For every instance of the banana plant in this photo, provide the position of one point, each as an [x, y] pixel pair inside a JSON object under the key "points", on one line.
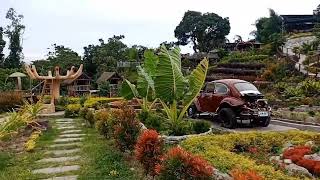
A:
{"points": [[172, 88], [145, 84]]}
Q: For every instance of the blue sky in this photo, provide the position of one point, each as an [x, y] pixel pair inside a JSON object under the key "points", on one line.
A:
{"points": [[77, 23]]}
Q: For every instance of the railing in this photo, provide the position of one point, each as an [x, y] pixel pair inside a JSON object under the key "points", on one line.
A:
{"points": [[79, 88]]}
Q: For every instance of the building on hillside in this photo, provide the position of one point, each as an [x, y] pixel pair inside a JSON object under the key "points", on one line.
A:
{"points": [[80, 86], [192, 60], [298, 23], [114, 80], [243, 46]]}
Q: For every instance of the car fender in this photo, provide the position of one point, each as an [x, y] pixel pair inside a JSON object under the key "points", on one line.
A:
{"points": [[197, 104], [230, 102]]}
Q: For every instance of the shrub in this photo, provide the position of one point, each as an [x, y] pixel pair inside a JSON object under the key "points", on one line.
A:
{"points": [[10, 100], [149, 150], [72, 110], [103, 121], [31, 143], [311, 113], [126, 128], [180, 164], [63, 101], [180, 128], [83, 112], [99, 101], [245, 175], [152, 120], [217, 149], [90, 117], [83, 100], [200, 126]]}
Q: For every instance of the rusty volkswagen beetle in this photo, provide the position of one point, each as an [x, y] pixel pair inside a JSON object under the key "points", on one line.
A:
{"points": [[232, 101]]}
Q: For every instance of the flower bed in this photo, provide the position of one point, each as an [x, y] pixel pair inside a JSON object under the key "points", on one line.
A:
{"points": [[230, 151]]}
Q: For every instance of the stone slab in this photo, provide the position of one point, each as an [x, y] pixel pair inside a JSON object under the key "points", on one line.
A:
{"points": [[62, 152], [63, 140], [60, 159], [65, 145], [71, 131], [54, 170], [64, 178], [66, 127], [71, 135]]}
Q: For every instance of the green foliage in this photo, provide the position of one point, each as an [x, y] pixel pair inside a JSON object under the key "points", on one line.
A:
{"points": [[172, 87], [218, 149], [268, 27], [83, 99], [104, 122], [126, 128], [244, 57], [206, 31], [200, 126], [60, 56], [72, 110], [2, 45], [14, 31], [152, 120], [104, 89], [99, 102]]}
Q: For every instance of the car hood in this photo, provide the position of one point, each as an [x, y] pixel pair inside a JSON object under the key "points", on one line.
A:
{"points": [[250, 93]]}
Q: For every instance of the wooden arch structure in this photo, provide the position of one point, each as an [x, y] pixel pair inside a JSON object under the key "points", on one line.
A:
{"points": [[54, 82]]}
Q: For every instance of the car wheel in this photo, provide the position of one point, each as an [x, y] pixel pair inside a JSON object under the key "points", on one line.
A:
{"points": [[228, 118], [265, 122], [192, 111]]}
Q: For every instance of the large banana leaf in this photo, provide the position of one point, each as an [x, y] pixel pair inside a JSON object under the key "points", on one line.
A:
{"points": [[128, 90], [169, 81], [150, 62], [196, 80], [145, 85]]}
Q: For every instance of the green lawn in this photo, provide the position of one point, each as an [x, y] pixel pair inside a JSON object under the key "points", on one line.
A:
{"points": [[100, 159], [103, 161]]}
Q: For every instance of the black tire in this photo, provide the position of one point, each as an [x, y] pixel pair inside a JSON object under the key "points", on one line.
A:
{"points": [[265, 122], [192, 112], [228, 118]]}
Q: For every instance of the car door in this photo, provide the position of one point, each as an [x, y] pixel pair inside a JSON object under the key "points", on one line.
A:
{"points": [[220, 92], [205, 97]]}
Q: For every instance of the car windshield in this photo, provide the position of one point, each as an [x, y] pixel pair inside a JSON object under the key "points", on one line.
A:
{"points": [[245, 86]]}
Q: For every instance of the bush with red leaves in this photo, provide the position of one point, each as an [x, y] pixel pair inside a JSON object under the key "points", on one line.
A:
{"points": [[126, 128], [296, 154], [149, 150], [245, 175], [180, 164]]}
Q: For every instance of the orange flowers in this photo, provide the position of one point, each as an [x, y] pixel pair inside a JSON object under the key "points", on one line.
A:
{"points": [[245, 175], [149, 150], [296, 154], [180, 164]]}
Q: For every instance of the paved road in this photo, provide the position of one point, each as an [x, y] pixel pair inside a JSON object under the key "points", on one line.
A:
{"points": [[275, 125]]}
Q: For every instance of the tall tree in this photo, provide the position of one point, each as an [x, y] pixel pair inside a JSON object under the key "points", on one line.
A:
{"points": [[89, 66], [60, 56], [268, 27], [14, 31], [2, 45], [205, 31], [108, 54]]}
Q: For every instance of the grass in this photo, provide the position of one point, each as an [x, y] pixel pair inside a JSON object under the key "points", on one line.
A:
{"points": [[19, 166], [99, 159], [102, 161]]}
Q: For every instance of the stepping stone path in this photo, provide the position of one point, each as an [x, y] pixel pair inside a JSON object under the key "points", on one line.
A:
{"points": [[64, 150]]}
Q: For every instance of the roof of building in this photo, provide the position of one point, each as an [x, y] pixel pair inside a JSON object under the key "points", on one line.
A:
{"points": [[17, 74], [105, 76], [83, 76], [297, 18]]}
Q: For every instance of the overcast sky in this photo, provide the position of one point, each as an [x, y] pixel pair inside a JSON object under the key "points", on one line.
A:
{"points": [[77, 23]]}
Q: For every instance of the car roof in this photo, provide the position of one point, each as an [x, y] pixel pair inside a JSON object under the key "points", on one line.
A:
{"points": [[230, 81]]}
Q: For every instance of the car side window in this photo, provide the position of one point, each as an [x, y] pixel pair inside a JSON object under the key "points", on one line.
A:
{"points": [[220, 88], [209, 87]]}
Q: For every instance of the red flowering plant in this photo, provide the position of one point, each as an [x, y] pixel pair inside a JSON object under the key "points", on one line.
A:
{"points": [[180, 164], [297, 153], [126, 128], [245, 175], [149, 150]]}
